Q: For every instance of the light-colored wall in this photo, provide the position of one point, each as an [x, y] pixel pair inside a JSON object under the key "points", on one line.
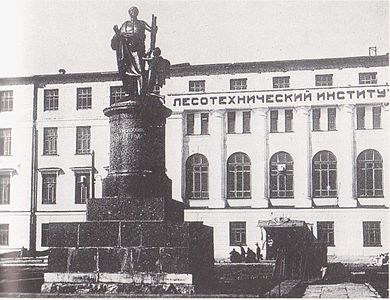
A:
{"points": [[16, 213], [347, 223]]}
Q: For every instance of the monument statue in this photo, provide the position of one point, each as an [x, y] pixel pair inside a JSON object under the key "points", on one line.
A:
{"points": [[134, 239], [129, 44]]}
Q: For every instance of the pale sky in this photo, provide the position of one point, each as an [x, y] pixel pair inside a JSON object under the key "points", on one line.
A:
{"points": [[41, 36]]}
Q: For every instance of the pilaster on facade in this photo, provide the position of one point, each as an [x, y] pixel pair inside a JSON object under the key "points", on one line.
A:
{"points": [[346, 163], [260, 161], [302, 162], [217, 165], [386, 154]]}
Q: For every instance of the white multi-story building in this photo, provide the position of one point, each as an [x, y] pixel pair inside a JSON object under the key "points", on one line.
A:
{"points": [[246, 142]]}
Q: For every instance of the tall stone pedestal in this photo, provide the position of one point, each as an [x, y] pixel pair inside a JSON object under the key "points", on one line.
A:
{"points": [[135, 239]]}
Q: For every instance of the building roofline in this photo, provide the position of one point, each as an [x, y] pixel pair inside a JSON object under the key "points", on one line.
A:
{"points": [[186, 69]]}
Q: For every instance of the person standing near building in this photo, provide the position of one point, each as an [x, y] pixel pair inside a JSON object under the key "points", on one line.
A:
{"points": [[258, 253], [242, 253]]}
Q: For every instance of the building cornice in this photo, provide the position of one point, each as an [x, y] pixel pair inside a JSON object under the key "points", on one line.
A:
{"points": [[186, 69]]}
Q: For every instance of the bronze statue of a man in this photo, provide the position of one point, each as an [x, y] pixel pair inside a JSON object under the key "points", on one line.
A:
{"points": [[129, 44]]}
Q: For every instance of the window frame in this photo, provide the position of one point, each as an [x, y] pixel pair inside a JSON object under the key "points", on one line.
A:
{"points": [[238, 84], [376, 117], [368, 78], [360, 117], [278, 180], [325, 230], [237, 229], [6, 100], [332, 115], [231, 122], [84, 98], [45, 235], [273, 120], [190, 123], [197, 177], [83, 140], [49, 189], [50, 99], [324, 79], [246, 121], [50, 141], [204, 123], [197, 86], [5, 188], [82, 189], [5, 141], [372, 165], [116, 93], [4, 234], [239, 176], [316, 119], [367, 234], [288, 120], [329, 172], [281, 82]]}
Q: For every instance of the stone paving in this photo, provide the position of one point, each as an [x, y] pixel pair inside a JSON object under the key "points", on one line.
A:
{"points": [[341, 290]]}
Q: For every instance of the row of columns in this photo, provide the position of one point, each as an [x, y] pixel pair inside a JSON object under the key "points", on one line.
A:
{"points": [[260, 162]]}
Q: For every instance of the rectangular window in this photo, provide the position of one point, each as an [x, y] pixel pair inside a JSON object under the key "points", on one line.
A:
{"points": [[331, 118], [238, 84], [376, 117], [50, 141], [372, 234], [324, 80], [246, 122], [368, 78], [316, 119], [204, 123], [4, 234], [84, 98], [49, 183], [190, 124], [83, 140], [50, 100], [197, 85], [325, 232], [237, 233], [5, 187], [360, 117], [116, 92], [281, 82], [5, 141], [288, 118], [45, 235], [231, 122], [274, 121], [6, 100], [82, 187]]}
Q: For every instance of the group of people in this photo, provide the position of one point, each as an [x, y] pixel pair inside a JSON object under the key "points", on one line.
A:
{"points": [[248, 257]]}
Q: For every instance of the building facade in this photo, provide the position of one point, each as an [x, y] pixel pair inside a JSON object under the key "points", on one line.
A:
{"points": [[247, 142]]}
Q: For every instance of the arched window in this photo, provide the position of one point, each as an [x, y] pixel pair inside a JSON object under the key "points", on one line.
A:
{"points": [[324, 175], [239, 176], [197, 177], [369, 174], [281, 175]]}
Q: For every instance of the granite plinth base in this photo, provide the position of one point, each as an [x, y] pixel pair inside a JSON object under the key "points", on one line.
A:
{"points": [[118, 283], [133, 249], [135, 209]]}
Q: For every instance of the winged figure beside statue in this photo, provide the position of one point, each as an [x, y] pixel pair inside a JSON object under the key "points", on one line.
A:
{"points": [[141, 71]]}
